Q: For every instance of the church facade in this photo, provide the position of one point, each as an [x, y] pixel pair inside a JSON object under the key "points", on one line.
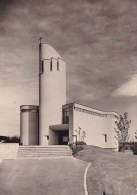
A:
{"points": [[54, 122]]}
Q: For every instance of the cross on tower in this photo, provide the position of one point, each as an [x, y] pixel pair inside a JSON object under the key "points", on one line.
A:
{"points": [[40, 39]]}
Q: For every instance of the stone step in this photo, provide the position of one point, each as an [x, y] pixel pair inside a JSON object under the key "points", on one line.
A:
{"points": [[37, 155], [45, 157], [43, 151], [43, 147], [47, 153]]}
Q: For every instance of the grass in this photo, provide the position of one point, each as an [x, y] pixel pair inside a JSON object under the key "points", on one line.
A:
{"points": [[111, 173]]}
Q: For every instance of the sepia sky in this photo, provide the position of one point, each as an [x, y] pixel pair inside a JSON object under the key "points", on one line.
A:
{"points": [[97, 39]]}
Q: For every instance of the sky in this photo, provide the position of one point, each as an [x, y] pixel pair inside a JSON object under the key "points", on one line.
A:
{"points": [[97, 39]]}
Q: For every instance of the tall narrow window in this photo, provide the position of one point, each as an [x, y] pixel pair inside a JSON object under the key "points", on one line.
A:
{"points": [[51, 65], [105, 137], [66, 116], [58, 65], [42, 67]]}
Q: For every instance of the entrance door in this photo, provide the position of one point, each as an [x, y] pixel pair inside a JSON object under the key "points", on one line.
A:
{"points": [[63, 137]]}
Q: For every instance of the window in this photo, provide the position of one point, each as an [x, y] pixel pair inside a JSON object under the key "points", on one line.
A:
{"points": [[51, 65], [65, 116], [42, 67], [58, 65], [105, 137]]}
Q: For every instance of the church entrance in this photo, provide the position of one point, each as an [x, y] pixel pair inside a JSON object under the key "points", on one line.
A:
{"points": [[59, 134], [63, 137]]}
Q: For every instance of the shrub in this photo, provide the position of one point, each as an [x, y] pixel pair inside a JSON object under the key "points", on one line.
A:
{"points": [[134, 148], [81, 143], [8, 139], [76, 148]]}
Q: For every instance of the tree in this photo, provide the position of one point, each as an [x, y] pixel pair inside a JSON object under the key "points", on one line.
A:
{"points": [[78, 132], [83, 135], [136, 134], [134, 144], [122, 129], [9, 139], [80, 137]]}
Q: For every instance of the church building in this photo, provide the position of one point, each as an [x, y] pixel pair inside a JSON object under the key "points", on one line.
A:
{"points": [[54, 122]]}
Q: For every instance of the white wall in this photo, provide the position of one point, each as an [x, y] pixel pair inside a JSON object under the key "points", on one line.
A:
{"points": [[8, 150], [52, 92], [53, 135], [95, 127], [47, 51]]}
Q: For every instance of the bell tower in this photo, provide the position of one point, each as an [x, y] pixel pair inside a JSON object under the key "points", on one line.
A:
{"points": [[52, 90]]}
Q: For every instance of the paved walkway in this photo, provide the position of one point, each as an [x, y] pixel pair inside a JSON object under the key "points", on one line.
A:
{"points": [[42, 177]]}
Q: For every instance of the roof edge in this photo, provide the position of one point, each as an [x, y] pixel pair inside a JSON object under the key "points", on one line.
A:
{"points": [[106, 112]]}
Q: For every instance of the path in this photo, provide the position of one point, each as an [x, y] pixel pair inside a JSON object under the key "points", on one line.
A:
{"points": [[40, 177]]}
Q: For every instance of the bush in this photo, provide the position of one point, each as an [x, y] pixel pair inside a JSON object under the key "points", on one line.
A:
{"points": [[8, 139], [81, 143], [134, 148], [76, 148]]}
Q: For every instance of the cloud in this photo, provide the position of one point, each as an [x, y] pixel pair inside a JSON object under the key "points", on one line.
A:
{"points": [[10, 101], [97, 39], [127, 89]]}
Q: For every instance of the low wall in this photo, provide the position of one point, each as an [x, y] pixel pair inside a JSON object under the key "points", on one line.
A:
{"points": [[8, 150]]}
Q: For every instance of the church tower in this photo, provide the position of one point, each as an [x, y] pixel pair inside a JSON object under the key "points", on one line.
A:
{"points": [[52, 90]]}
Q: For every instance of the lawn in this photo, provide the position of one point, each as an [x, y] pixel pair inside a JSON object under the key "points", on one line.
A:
{"points": [[111, 173]]}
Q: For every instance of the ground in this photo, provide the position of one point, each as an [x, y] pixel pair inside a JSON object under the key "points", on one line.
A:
{"points": [[46, 176], [111, 173]]}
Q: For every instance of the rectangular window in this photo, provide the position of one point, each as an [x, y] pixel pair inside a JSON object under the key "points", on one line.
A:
{"points": [[58, 65], [42, 67], [66, 116], [105, 137], [51, 65]]}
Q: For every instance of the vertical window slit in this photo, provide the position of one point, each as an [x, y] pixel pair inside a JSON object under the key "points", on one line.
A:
{"points": [[58, 65], [51, 65], [42, 67], [105, 137]]}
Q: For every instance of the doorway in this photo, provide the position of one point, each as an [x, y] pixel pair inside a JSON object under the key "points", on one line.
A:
{"points": [[63, 137]]}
